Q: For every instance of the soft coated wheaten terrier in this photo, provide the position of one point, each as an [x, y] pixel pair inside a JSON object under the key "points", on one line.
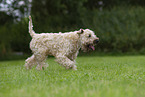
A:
{"points": [[63, 46]]}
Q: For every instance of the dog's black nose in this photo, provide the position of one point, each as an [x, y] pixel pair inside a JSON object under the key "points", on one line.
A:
{"points": [[96, 41]]}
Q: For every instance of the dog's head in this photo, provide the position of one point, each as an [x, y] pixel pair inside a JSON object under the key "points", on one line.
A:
{"points": [[88, 39]]}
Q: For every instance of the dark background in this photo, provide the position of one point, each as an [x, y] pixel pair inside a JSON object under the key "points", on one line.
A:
{"points": [[120, 24]]}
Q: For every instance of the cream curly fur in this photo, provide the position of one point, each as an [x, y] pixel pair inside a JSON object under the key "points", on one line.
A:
{"points": [[63, 46]]}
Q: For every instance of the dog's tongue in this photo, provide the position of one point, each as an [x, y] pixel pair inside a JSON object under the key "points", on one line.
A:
{"points": [[92, 47]]}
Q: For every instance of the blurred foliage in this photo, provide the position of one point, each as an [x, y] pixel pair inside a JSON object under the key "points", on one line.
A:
{"points": [[120, 29], [63, 14], [120, 24], [15, 8]]}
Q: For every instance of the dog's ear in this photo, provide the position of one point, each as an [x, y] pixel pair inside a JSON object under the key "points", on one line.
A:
{"points": [[81, 31]]}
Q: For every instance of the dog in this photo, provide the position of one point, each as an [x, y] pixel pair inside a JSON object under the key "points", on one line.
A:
{"points": [[63, 46]]}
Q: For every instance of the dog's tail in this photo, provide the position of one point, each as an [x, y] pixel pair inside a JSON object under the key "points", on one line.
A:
{"points": [[31, 31]]}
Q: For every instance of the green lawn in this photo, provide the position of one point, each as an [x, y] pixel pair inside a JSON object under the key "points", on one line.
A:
{"points": [[108, 76]]}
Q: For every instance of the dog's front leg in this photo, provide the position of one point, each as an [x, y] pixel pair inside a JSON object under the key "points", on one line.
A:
{"points": [[66, 62]]}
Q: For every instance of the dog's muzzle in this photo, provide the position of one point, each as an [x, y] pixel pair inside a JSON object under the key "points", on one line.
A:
{"points": [[91, 46], [96, 41]]}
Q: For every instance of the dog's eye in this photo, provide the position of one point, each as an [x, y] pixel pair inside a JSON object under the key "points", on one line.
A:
{"points": [[89, 35]]}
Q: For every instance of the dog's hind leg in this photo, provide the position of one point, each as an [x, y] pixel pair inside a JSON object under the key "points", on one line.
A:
{"points": [[41, 61], [30, 62]]}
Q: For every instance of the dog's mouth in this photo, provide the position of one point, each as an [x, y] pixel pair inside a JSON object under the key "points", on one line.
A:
{"points": [[90, 47]]}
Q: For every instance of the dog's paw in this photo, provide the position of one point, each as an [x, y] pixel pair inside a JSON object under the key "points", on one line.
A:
{"points": [[74, 67]]}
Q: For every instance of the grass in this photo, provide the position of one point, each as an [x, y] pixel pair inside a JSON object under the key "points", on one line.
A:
{"points": [[105, 76]]}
